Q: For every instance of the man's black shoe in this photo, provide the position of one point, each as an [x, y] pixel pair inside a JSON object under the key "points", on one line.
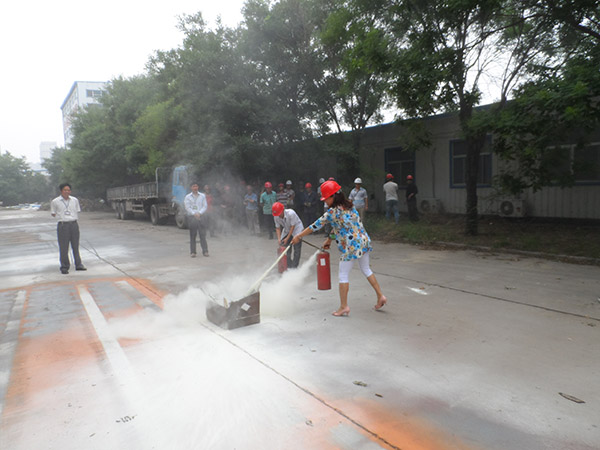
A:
{"points": [[64, 271], [80, 268]]}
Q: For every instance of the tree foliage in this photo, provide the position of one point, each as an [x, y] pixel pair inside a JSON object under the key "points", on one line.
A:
{"points": [[20, 184], [257, 98]]}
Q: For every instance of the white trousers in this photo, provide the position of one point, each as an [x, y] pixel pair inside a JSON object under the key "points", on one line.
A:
{"points": [[346, 267]]}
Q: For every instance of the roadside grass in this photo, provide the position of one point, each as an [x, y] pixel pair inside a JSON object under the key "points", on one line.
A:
{"points": [[580, 239]]}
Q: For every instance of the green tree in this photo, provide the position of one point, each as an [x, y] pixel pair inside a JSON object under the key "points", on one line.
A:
{"points": [[440, 52], [93, 162], [559, 105], [55, 166], [142, 124], [317, 65], [18, 183]]}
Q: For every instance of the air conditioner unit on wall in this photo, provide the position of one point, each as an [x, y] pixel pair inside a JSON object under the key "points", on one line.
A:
{"points": [[429, 205], [511, 207]]}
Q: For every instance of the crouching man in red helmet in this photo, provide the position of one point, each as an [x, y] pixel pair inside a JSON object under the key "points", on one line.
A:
{"points": [[353, 242], [288, 221]]}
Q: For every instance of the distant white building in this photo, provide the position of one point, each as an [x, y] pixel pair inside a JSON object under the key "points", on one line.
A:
{"points": [[46, 149], [82, 94]]}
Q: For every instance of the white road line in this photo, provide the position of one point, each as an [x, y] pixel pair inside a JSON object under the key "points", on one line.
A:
{"points": [[123, 371], [8, 345], [114, 353], [417, 290]]}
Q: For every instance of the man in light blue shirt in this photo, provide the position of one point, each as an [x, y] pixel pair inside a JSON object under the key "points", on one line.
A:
{"points": [[359, 198], [251, 202], [195, 208]]}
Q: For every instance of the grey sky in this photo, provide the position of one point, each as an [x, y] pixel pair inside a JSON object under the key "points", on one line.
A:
{"points": [[46, 46]]}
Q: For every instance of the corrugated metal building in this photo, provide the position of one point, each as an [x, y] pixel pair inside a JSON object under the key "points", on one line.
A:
{"points": [[439, 173]]}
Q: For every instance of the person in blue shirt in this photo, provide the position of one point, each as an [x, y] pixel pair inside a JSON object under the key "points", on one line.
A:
{"points": [[352, 240], [251, 203], [267, 198]]}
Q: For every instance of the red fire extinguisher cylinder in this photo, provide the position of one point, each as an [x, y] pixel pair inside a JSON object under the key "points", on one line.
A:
{"points": [[323, 271], [282, 264]]}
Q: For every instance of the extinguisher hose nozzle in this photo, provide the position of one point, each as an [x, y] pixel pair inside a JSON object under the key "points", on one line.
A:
{"points": [[312, 245]]}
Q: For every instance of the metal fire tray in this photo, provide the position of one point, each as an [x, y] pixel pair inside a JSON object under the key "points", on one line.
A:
{"points": [[239, 314]]}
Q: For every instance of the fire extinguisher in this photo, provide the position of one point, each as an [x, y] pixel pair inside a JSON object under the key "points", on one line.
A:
{"points": [[323, 271], [282, 264]]}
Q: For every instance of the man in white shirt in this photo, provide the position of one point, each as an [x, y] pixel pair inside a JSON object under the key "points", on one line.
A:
{"points": [[359, 198], [290, 194], [66, 209], [288, 225], [195, 208], [391, 198]]}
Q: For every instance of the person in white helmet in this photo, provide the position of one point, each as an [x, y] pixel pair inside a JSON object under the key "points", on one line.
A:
{"points": [[359, 198], [291, 195]]}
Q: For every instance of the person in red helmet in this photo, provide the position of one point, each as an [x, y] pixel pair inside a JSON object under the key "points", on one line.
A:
{"points": [[310, 204], [411, 198], [288, 225], [391, 198], [352, 239], [267, 198]]}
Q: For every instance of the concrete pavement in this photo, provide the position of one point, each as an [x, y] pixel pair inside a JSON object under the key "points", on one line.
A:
{"points": [[471, 352]]}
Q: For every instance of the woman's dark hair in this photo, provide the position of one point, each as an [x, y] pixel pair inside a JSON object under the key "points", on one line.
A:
{"points": [[339, 199]]}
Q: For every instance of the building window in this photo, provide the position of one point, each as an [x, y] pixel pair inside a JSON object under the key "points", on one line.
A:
{"points": [[93, 93], [565, 163], [586, 163], [399, 163], [458, 163]]}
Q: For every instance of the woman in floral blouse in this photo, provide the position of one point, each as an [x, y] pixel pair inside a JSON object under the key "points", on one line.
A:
{"points": [[352, 240]]}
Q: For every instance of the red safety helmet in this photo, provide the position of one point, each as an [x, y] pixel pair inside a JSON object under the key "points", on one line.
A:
{"points": [[409, 177], [328, 189], [277, 209], [389, 176], [307, 185], [268, 184]]}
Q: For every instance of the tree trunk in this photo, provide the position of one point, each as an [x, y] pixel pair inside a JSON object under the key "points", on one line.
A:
{"points": [[474, 146], [472, 169]]}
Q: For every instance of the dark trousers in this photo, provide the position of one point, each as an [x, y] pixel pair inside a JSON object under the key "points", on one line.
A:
{"points": [[268, 224], [413, 213], [197, 227], [68, 234], [293, 256]]}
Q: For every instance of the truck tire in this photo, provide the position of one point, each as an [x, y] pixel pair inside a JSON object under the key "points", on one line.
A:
{"points": [[154, 215], [122, 211], [127, 215], [180, 218]]}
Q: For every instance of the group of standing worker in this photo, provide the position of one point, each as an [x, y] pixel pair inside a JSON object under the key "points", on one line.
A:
{"points": [[390, 188]]}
